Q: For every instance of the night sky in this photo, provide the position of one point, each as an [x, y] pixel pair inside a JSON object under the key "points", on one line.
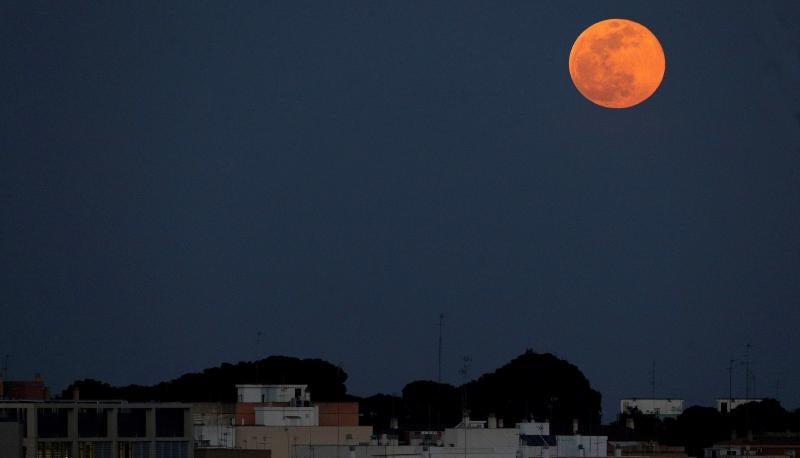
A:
{"points": [[178, 176]]}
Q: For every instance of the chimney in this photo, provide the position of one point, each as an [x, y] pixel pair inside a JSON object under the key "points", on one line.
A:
{"points": [[37, 377], [76, 394], [574, 426]]}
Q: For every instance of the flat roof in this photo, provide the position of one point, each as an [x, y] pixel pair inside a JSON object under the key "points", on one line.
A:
{"points": [[89, 403], [250, 385]]}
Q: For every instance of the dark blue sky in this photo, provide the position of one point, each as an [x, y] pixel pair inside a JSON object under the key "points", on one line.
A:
{"points": [[176, 176]]}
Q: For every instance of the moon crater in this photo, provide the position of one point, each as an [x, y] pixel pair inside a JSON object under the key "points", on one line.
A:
{"points": [[617, 63]]}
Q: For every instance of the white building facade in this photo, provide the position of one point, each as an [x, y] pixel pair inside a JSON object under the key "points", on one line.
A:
{"points": [[288, 394], [658, 407], [726, 405]]}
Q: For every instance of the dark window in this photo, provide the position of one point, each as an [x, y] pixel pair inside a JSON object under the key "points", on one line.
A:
{"points": [[169, 423], [52, 422], [92, 423], [132, 423]]}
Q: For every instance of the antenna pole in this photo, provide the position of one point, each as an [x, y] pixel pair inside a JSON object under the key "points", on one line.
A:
{"points": [[653, 381], [730, 383], [441, 325], [464, 374], [258, 351], [747, 371]]}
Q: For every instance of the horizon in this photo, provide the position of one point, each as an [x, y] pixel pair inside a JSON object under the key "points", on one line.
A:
{"points": [[606, 418]]}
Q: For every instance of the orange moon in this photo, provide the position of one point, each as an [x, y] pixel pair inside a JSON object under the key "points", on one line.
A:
{"points": [[617, 63]]}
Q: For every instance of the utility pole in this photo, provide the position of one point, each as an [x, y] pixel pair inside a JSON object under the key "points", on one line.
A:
{"points": [[441, 325]]}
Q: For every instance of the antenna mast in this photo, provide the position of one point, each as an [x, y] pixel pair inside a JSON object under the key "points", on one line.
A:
{"points": [[441, 325], [653, 381], [747, 373], [464, 371]]}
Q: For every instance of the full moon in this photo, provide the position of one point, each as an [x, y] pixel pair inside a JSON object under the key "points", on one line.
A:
{"points": [[616, 63]]}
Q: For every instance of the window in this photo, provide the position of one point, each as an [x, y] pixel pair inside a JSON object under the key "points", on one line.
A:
{"points": [[172, 449], [169, 423], [132, 423]]}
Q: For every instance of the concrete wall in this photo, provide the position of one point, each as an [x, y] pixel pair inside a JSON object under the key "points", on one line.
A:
{"points": [[579, 446], [231, 453], [338, 413], [664, 407], [176, 442], [213, 424], [534, 428], [271, 393], [280, 440], [397, 451], [481, 437], [733, 403], [10, 440], [286, 416]]}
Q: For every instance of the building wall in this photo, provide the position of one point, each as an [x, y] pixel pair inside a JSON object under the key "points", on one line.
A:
{"points": [[280, 439], [726, 405], [580, 446], [231, 453], [481, 437], [272, 393], [286, 416], [213, 425], [399, 451], [534, 428], [33, 390], [64, 429], [662, 407], [10, 440], [245, 412], [338, 413]]}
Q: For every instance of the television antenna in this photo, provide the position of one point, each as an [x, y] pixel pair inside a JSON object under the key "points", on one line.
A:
{"points": [[441, 326]]}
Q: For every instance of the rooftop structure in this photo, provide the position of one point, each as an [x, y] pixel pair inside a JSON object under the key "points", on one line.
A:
{"points": [[23, 389], [726, 405], [288, 394], [663, 407]]}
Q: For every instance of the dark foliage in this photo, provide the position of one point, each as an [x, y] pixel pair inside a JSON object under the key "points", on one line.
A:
{"points": [[536, 386], [700, 427], [326, 382], [430, 405], [532, 386]]}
